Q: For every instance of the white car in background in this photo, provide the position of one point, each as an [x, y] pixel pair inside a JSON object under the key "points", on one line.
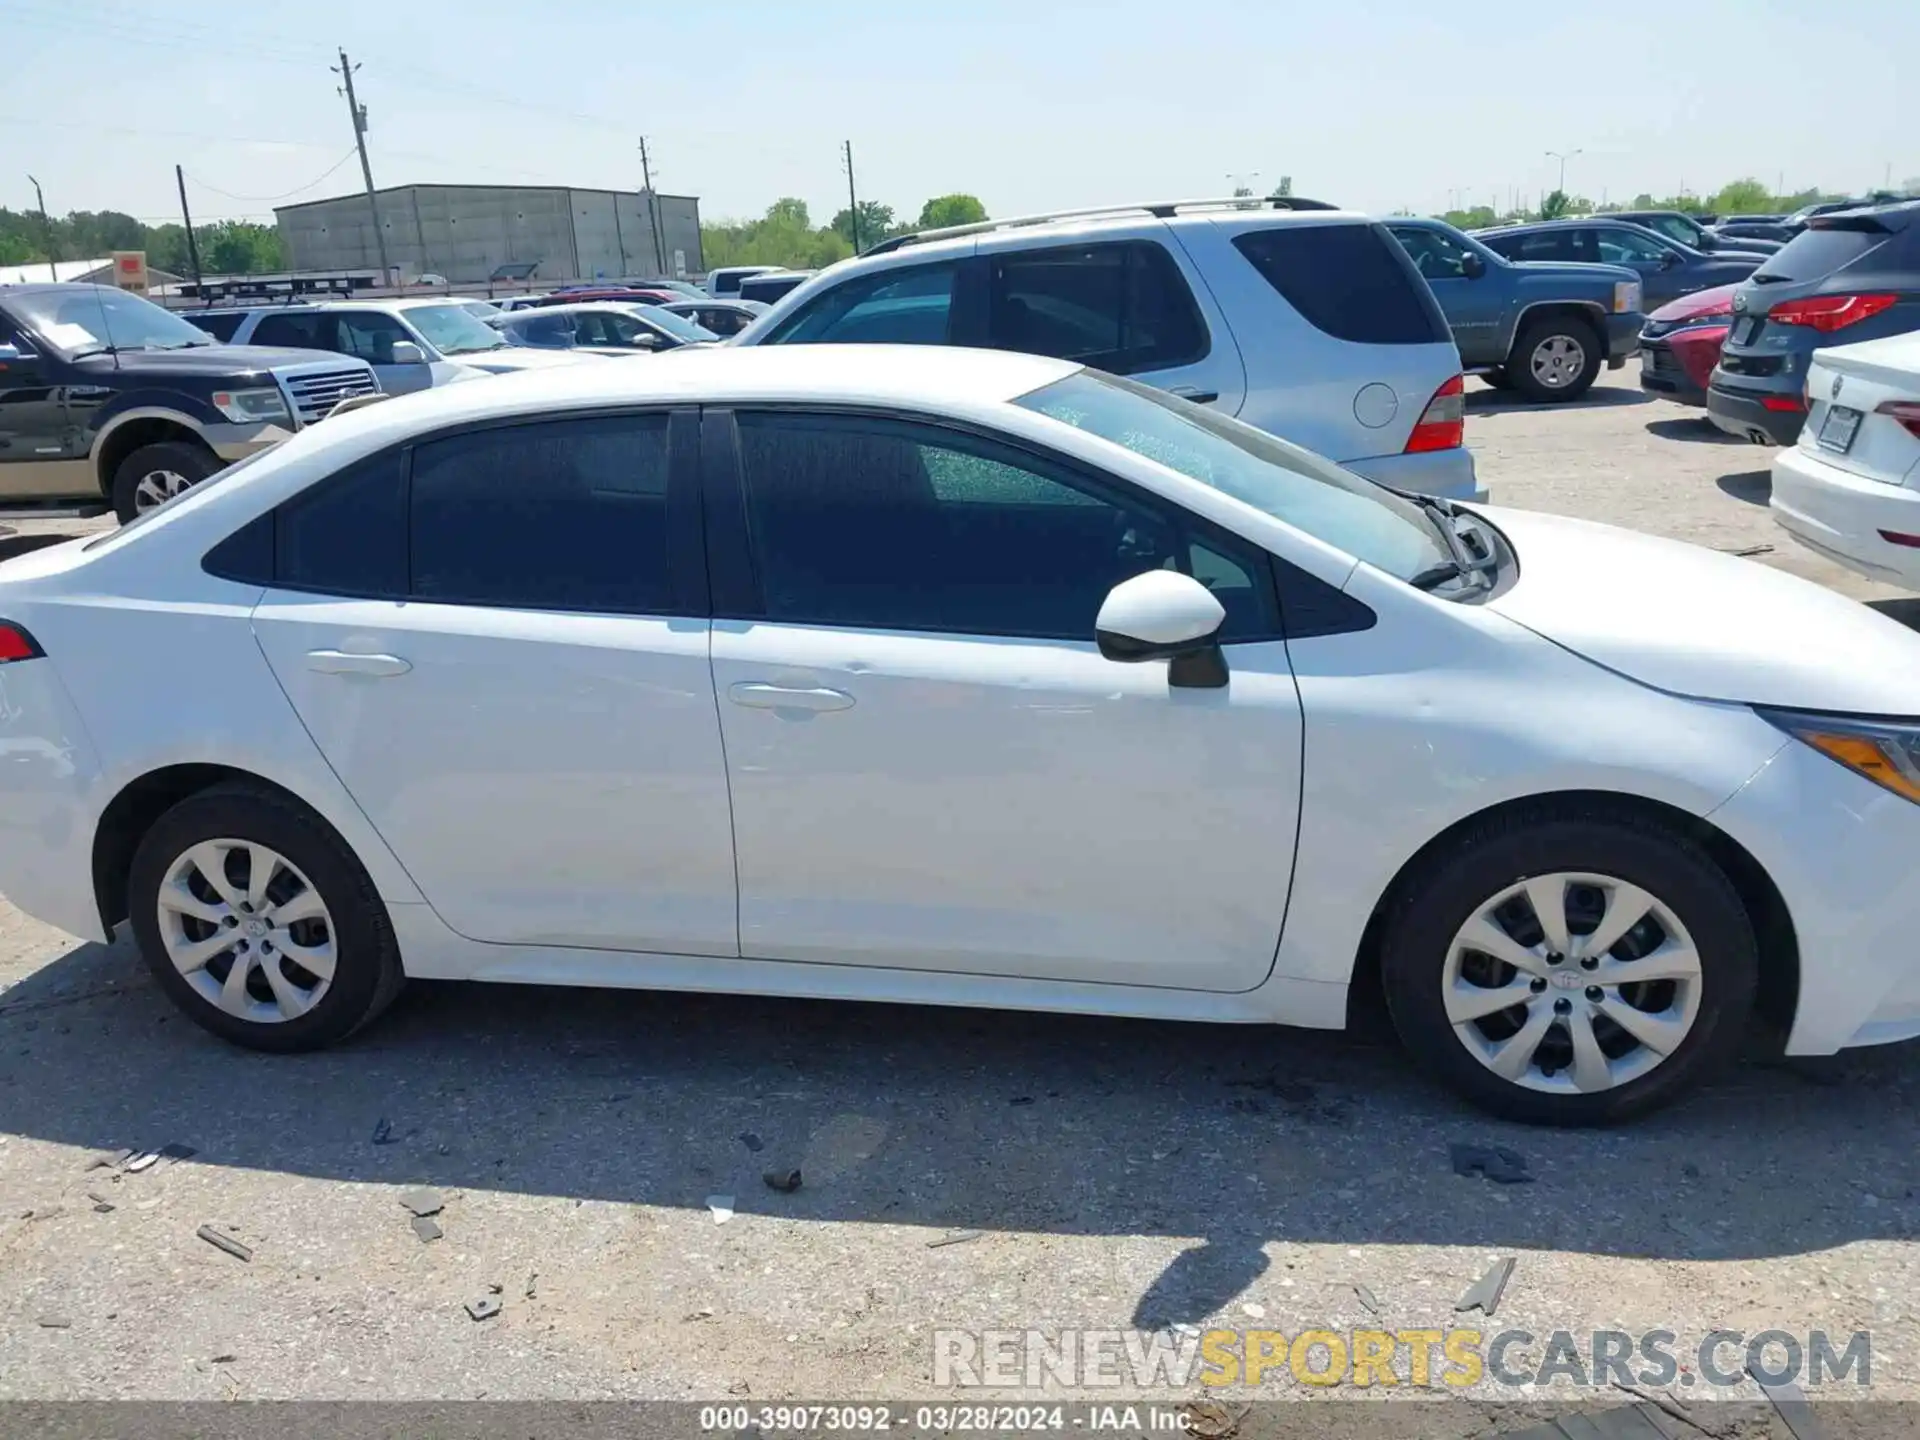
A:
{"points": [[411, 344], [946, 676], [1850, 489]]}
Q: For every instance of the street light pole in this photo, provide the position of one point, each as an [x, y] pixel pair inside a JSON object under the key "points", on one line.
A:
{"points": [[46, 230], [1556, 155]]}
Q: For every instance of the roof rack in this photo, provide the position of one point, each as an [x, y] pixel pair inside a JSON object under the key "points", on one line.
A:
{"points": [[1160, 209]]}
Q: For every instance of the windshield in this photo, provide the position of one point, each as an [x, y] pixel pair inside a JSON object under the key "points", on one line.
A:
{"points": [[1273, 476], [678, 326], [1674, 227], [452, 331], [81, 320]]}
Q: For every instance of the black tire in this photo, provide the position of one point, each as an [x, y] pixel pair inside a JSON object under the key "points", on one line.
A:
{"points": [[367, 974], [192, 462], [1488, 859], [1532, 336], [1498, 379]]}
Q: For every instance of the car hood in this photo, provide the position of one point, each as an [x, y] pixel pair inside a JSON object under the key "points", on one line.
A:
{"points": [[214, 360], [1718, 300], [1573, 270], [1699, 623], [519, 357]]}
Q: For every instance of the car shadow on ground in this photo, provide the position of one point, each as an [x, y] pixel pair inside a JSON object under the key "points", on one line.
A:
{"points": [[12, 545], [950, 1118], [1694, 429], [1755, 487], [1488, 401]]}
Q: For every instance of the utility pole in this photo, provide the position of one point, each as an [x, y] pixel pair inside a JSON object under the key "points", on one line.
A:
{"points": [[1556, 155], [186, 216], [653, 210], [359, 113], [46, 230], [853, 204]]}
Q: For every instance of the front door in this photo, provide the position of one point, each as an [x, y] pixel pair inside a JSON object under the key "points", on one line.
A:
{"points": [[502, 661], [1475, 305], [39, 452], [933, 767]]}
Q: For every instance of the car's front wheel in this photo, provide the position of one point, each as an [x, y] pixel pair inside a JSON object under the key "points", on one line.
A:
{"points": [[1570, 970], [259, 922], [1555, 358], [154, 474]]}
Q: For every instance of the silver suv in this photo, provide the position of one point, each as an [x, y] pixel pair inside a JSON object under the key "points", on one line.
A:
{"points": [[1307, 321]]}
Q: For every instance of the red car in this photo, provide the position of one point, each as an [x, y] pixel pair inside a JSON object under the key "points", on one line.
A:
{"points": [[1680, 344]]}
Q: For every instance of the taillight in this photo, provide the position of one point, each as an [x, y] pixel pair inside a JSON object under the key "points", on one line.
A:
{"points": [[17, 644], [1443, 424], [1827, 313], [1907, 412], [1793, 403]]}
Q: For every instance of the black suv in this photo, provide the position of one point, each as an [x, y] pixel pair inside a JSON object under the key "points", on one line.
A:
{"points": [[105, 396]]}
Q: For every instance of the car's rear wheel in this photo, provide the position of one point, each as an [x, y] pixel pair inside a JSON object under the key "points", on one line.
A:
{"points": [[1570, 971], [154, 474], [260, 923], [1554, 358]]}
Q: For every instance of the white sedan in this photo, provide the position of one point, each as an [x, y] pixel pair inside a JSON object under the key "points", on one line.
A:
{"points": [[967, 678], [1851, 488]]}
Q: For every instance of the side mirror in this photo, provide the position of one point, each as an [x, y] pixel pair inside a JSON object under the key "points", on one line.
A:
{"points": [[10, 354], [645, 340], [1668, 259], [1472, 266], [405, 352], [1164, 615]]}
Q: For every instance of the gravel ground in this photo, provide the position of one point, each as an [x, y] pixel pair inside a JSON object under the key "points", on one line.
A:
{"points": [[1118, 1173]]}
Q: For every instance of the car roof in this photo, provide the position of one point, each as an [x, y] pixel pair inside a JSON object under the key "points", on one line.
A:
{"points": [[595, 307], [1120, 220]]}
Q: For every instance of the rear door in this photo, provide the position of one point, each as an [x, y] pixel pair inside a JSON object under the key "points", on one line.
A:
{"points": [[370, 335], [498, 639]]}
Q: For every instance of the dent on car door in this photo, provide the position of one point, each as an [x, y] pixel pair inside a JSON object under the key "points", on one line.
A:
{"points": [[502, 652], [933, 767]]}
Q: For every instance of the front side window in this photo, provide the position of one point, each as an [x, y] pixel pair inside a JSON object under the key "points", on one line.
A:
{"points": [[543, 331], [1435, 256], [560, 515], [370, 336], [1623, 247], [1123, 307], [892, 526], [675, 324], [1282, 480], [889, 307], [452, 331]]}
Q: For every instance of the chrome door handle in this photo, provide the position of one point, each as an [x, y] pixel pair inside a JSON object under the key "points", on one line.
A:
{"points": [[342, 662], [782, 697]]}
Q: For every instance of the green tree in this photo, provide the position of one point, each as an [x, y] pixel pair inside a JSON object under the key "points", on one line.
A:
{"points": [[1477, 218], [238, 247], [1555, 204], [1745, 196], [945, 210], [876, 223]]}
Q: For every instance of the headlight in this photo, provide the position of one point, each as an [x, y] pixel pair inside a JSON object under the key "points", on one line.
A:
{"points": [[1626, 296], [250, 407], [1887, 753]]}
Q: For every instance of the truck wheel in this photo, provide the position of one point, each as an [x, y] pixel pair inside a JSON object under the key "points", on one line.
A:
{"points": [[1554, 359], [154, 474]]}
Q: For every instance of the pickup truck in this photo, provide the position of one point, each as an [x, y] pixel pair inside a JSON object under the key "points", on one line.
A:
{"points": [[1542, 329], [107, 398]]}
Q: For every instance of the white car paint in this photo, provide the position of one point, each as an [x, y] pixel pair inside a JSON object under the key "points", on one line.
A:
{"points": [[1844, 503], [989, 821]]}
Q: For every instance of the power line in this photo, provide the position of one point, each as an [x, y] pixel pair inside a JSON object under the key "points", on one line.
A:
{"points": [[285, 194]]}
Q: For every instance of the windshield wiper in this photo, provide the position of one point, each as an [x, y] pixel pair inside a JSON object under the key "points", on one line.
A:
{"points": [[1435, 576], [1461, 565]]}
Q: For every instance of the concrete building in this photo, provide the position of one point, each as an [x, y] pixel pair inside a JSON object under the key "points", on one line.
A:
{"points": [[467, 232]]}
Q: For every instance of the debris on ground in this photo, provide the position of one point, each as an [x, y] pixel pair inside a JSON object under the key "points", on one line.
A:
{"points": [[1367, 1298], [224, 1242], [532, 1275], [1253, 1311], [1484, 1294], [740, 1387], [223, 1359], [426, 1228], [1021, 1100], [383, 1132], [110, 1160], [752, 1141], [954, 1237], [784, 1178], [485, 1308], [423, 1201], [705, 1312], [1665, 1404], [101, 1205], [54, 1322], [722, 1208], [1213, 1421], [1746, 551], [175, 1151], [496, 1290], [146, 1160], [1495, 1162]]}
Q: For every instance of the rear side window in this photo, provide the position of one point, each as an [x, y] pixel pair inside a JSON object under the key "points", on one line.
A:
{"points": [[888, 307], [1815, 254], [1121, 308], [1349, 281], [563, 515], [347, 535], [302, 332], [221, 327]]}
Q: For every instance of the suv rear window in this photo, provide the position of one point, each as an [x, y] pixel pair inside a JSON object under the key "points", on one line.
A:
{"points": [[1816, 253], [1350, 281], [1123, 308], [220, 325]]}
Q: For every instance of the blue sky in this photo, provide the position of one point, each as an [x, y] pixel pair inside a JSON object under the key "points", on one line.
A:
{"points": [[1045, 103]]}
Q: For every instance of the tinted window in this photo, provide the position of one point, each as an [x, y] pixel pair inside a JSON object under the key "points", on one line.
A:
{"points": [[221, 327], [1815, 254], [895, 527], [1123, 308], [770, 287], [1621, 247], [347, 535], [369, 335], [1435, 256], [1350, 281], [544, 332], [888, 307], [303, 332], [567, 515]]}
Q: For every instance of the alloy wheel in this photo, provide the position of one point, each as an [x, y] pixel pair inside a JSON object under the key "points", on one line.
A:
{"points": [[156, 487], [1558, 361], [1572, 983], [247, 930]]}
